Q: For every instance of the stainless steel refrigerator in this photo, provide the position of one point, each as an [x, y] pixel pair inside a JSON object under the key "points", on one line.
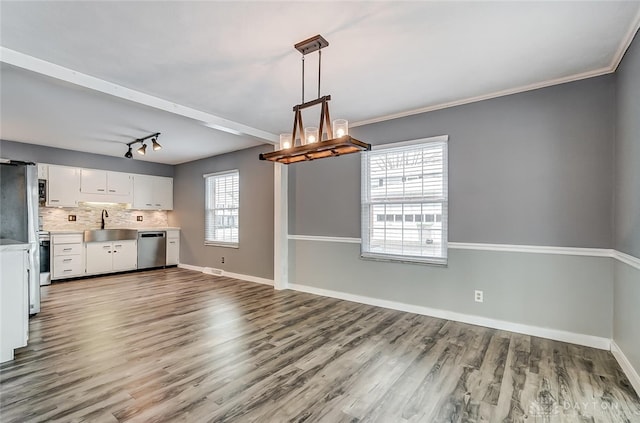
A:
{"points": [[19, 217]]}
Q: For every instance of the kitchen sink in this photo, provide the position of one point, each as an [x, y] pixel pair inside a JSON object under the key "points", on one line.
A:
{"points": [[102, 235]]}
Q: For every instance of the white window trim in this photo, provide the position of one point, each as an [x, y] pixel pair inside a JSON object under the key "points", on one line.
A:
{"points": [[435, 261], [221, 243]]}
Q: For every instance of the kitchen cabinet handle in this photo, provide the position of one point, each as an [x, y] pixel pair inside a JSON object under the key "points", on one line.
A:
{"points": [[68, 270], [112, 190], [158, 204], [54, 201], [148, 204], [66, 260], [66, 249], [118, 245], [100, 189], [106, 246], [109, 252]]}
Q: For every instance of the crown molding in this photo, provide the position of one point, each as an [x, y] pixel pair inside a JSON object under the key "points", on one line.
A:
{"points": [[624, 46], [615, 62], [510, 91]]}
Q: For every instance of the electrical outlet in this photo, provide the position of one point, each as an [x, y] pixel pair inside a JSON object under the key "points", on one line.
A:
{"points": [[222, 261], [139, 218], [72, 218], [479, 296]]}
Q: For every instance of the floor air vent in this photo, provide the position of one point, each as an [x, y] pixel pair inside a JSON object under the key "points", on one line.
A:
{"points": [[212, 271]]}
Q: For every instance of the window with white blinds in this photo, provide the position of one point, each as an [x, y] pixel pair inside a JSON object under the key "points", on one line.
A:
{"points": [[404, 201], [222, 203]]}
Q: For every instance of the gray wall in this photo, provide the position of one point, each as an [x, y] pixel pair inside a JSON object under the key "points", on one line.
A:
{"points": [[534, 168], [531, 168], [627, 175], [255, 255], [627, 205], [41, 154]]}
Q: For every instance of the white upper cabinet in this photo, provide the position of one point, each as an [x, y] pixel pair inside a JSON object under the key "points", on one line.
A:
{"points": [[152, 192], [103, 182], [63, 186], [118, 183], [93, 181], [67, 186], [143, 192], [164, 193]]}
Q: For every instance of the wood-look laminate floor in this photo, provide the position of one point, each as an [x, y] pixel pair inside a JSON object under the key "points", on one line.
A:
{"points": [[177, 345]]}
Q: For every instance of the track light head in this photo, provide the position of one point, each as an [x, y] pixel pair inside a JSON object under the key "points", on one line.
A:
{"points": [[156, 145], [142, 150], [128, 154]]}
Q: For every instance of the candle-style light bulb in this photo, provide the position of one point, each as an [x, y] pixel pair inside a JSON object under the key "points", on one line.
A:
{"points": [[311, 134], [341, 127], [285, 141]]}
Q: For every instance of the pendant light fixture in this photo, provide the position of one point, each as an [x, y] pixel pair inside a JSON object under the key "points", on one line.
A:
{"points": [[142, 150], [328, 139]]}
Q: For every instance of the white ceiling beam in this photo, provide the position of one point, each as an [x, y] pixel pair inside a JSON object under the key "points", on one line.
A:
{"points": [[52, 70]]}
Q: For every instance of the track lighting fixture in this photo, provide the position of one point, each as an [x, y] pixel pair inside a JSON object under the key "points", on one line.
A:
{"points": [[142, 150]]}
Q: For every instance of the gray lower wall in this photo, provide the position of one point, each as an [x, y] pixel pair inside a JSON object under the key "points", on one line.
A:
{"points": [[254, 256], [531, 168], [626, 313], [561, 292], [41, 154], [627, 205]]}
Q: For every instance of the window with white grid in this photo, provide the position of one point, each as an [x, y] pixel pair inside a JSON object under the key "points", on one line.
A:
{"points": [[222, 203], [404, 201]]}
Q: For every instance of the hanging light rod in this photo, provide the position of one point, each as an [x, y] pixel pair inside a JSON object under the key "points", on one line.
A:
{"points": [[142, 150], [312, 143]]}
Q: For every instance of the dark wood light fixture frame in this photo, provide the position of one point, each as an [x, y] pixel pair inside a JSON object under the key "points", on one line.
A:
{"points": [[331, 147]]}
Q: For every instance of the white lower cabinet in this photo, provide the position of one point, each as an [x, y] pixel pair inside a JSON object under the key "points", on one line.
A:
{"points": [[14, 301], [173, 247], [125, 255], [111, 256], [66, 261]]}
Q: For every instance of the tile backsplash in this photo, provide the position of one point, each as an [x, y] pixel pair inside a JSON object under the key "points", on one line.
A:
{"points": [[88, 217]]}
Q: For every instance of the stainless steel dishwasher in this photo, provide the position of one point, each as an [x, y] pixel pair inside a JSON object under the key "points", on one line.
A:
{"points": [[152, 249]]}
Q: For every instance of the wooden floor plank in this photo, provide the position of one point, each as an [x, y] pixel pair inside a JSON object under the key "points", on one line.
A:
{"points": [[177, 345]]}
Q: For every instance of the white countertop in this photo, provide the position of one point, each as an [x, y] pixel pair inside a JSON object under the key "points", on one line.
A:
{"points": [[81, 231]]}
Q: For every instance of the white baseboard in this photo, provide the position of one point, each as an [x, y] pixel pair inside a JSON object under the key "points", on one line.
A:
{"points": [[628, 369], [248, 278], [558, 335]]}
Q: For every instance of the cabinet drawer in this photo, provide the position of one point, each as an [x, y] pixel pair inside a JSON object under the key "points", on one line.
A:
{"points": [[67, 266], [67, 249], [67, 239]]}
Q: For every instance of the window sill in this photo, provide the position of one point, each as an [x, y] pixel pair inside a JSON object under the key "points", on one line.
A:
{"points": [[222, 244], [405, 260]]}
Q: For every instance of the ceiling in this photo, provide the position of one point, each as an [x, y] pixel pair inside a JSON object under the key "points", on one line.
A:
{"points": [[214, 77]]}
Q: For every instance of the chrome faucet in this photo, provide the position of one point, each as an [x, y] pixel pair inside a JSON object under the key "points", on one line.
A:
{"points": [[102, 216]]}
